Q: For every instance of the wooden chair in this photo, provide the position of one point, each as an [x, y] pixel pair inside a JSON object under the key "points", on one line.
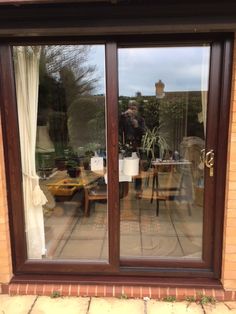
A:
{"points": [[93, 192], [168, 192], [97, 192]]}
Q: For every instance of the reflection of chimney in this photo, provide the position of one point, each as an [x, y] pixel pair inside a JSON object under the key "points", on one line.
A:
{"points": [[160, 89], [43, 141]]}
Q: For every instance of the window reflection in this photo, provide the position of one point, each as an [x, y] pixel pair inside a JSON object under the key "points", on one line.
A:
{"points": [[161, 215], [61, 109]]}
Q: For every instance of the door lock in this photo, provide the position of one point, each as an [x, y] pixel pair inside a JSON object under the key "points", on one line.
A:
{"points": [[208, 159]]}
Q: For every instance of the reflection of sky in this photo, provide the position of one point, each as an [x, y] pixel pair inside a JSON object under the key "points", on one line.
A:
{"points": [[97, 58], [180, 68]]}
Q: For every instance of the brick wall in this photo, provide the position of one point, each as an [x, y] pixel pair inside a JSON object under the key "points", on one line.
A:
{"points": [[5, 251], [229, 249]]}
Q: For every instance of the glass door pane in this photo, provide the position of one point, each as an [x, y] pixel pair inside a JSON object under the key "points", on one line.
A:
{"points": [[162, 126], [61, 108]]}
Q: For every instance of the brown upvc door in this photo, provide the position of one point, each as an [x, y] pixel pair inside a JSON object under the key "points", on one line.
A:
{"points": [[151, 122], [170, 104]]}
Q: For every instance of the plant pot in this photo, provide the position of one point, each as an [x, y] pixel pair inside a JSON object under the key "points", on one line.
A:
{"points": [[60, 163], [73, 172], [144, 164]]}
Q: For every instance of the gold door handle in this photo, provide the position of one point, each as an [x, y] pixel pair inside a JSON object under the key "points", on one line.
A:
{"points": [[209, 161]]}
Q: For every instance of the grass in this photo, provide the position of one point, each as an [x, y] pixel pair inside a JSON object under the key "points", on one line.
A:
{"points": [[170, 298], [190, 299], [55, 294], [207, 299], [124, 297]]}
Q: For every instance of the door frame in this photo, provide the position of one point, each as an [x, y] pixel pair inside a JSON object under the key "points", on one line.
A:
{"points": [[219, 92]]}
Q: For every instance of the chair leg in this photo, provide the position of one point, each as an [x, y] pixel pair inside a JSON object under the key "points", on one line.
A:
{"points": [[86, 206], [157, 207], [189, 209]]}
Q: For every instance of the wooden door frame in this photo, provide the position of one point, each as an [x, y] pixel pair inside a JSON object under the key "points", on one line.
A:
{"points": [[24, 268]]}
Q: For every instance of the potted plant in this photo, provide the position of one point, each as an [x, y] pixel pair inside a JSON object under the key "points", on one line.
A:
{"points": [[152, 143], [73, 169]]}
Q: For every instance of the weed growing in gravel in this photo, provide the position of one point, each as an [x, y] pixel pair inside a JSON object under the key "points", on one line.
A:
{"points": [[207, 299], [124, 296], [55, 294], [170, 298], [190, 299]]}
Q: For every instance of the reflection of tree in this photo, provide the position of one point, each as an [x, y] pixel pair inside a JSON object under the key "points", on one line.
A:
{"points": [[86, 122], [56, 59], [64, 76]]}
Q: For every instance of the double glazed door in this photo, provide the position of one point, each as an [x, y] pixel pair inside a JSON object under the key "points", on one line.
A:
{"points": [[119, 158]]}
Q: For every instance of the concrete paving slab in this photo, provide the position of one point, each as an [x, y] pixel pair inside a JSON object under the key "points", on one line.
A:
{"points": [[186, 307], [231, 305], [116, 306], [16, 304], [218, 308], [68, 305], [156, 307]]}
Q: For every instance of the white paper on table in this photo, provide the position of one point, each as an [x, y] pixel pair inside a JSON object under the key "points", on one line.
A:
{"points": [[122, 177], [96, 163]]}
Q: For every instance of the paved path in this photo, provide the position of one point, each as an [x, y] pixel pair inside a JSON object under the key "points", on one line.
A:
{"points": [[75, 305]]}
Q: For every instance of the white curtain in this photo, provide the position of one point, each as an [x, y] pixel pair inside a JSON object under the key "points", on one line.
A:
{"points": [[202, 116], [26, 62]]}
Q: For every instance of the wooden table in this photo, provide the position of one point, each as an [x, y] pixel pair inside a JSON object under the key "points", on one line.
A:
{"points": [[61, 185]]}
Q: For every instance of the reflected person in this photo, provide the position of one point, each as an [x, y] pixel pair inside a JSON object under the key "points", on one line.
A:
{"points": [[132, 128]]}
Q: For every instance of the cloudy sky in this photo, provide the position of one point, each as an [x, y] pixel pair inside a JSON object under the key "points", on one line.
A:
{"points": [[180, 68]]}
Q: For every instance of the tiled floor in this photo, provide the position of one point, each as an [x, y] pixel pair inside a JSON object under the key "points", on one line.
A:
{"points": [[172, 234]]}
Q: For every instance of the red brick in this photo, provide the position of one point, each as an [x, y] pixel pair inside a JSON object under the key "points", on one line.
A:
{"points": [[31, 289], [108, 291], [13, 289], [191, 293], [5, 289], [39, 289], [92, 290], [65, 290], [83, 291], [57, 288], [199, 293], [155, 292], [48, 289], [146, 292], [74, 290], [127, 291], [233, 295], [22, 289], [118, 291], [136, 292], [209, 292], [219, 295], [26, 289], [132, 292], [172, 292], [163, 293], [180, 293], [101, 291]]}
